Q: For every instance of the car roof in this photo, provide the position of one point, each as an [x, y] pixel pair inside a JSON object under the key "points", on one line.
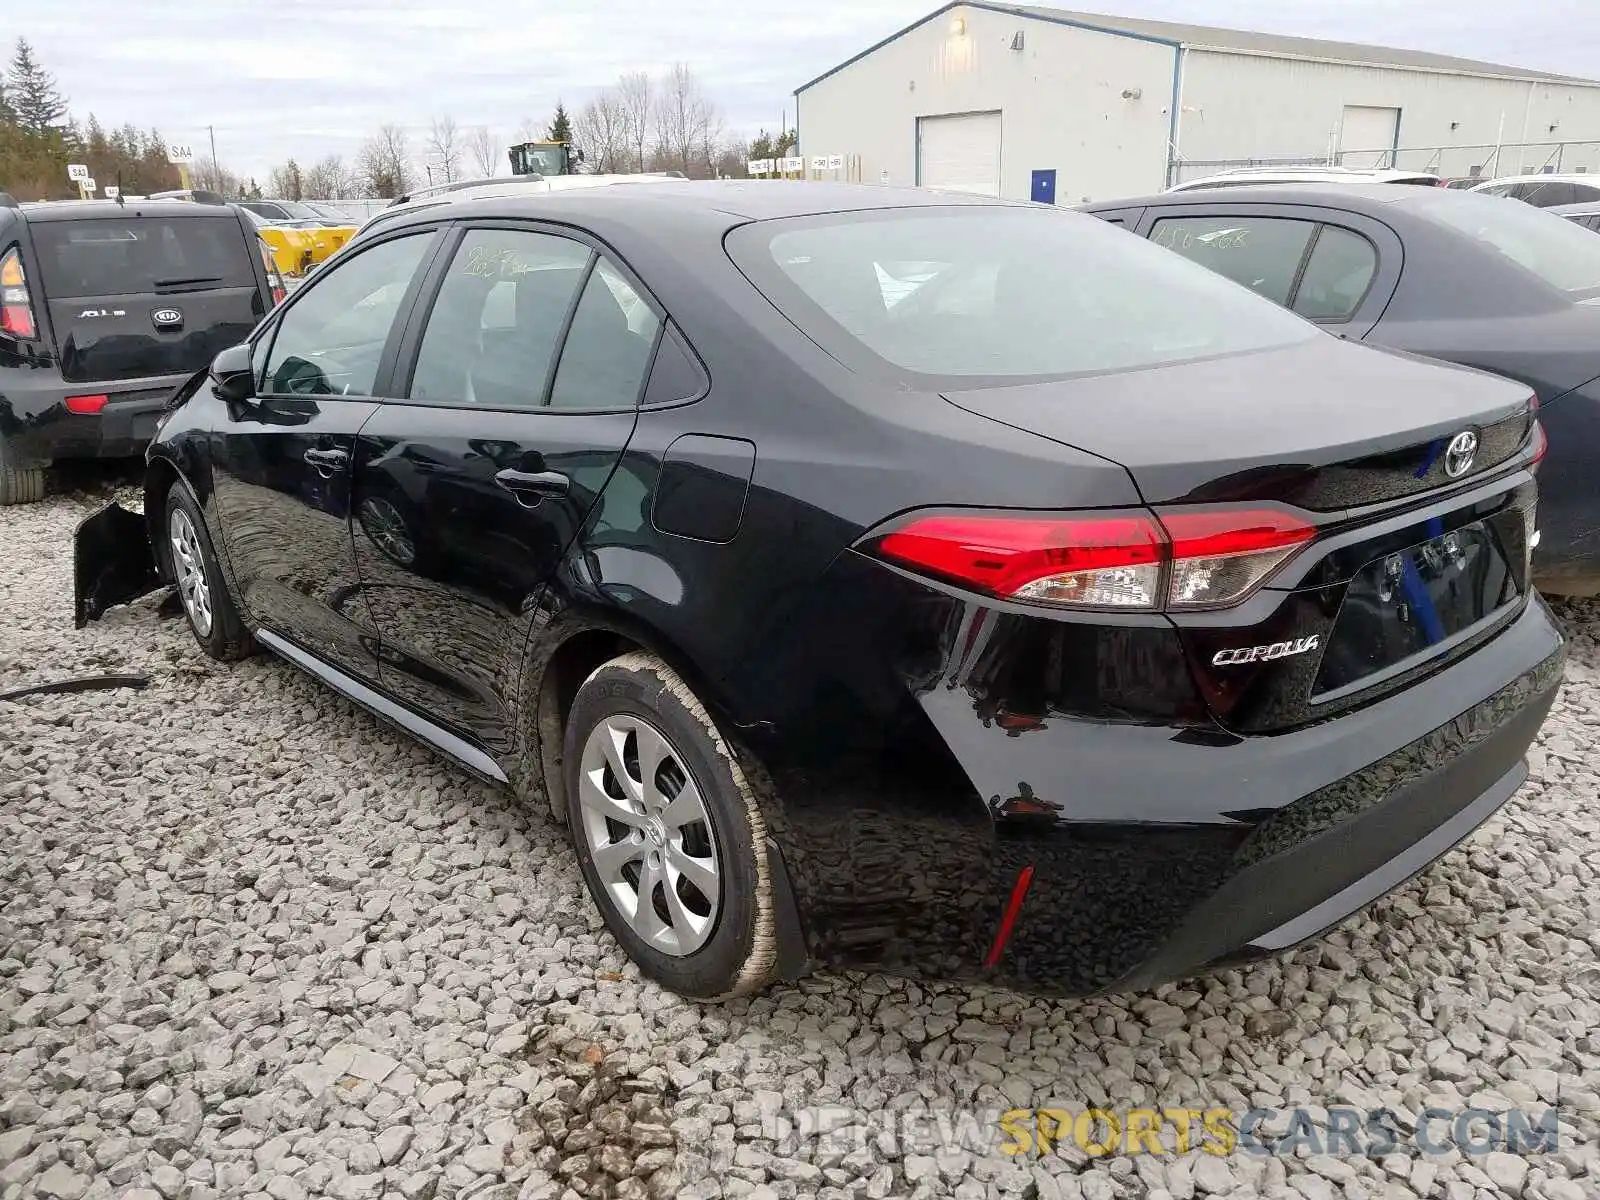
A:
{"points": [[1355, 196], [1309, 174], [1569, 177], [742, 200], [68, 210]]}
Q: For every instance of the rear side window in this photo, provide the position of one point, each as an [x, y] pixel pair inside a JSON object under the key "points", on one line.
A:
{"points": [[1337, 276], [492, 332], [969, 295], [607, 350], [1263, 253], [117, 256]]}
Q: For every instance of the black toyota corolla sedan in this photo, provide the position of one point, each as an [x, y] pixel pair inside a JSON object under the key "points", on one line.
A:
{"points": [[875, 578], [1467, 278]]}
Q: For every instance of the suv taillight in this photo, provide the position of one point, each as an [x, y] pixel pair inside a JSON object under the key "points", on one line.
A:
{"points": [[16, 305], [1133, 560], [274, 277]]}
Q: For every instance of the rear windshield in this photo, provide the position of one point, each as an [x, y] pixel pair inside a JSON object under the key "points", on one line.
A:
{"points": [[1566, 256], [120, 256], [964, 295]]}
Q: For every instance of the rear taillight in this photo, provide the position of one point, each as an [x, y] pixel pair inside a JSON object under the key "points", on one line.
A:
{"points": [[1536, 434], [86, 406], [16, 305], [274, 278], [1179, 559]]}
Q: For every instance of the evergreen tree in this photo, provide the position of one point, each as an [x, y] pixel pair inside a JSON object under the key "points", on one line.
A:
{"points": [[560, 125], [31, 93]]}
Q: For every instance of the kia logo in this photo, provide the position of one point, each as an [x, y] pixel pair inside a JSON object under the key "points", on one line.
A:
{"points": [[167, 316]]}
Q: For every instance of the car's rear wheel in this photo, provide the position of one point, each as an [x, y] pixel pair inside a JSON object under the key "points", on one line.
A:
{"points": [[669, 834], [18, 484], [207, 606]]}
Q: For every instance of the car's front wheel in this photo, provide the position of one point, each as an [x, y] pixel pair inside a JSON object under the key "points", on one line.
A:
{"points": [[18, 484], [669, 834], [207, 606]]}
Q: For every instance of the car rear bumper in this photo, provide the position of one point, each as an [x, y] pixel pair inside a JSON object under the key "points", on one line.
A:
{"points": [[1208, 896], [40, 429], [1139, 850]]}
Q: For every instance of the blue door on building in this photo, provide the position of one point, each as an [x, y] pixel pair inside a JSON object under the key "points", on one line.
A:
{"points": [[1044, 187]]}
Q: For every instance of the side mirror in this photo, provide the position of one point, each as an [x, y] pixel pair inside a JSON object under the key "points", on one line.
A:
{"points": [[232, 378]]}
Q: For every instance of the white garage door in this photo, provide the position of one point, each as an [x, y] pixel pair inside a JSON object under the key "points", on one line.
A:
{"points": [[1366, 134], [960, 153]]}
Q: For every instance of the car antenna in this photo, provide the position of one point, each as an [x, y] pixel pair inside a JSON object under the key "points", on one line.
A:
{"points": [[120, 201]]}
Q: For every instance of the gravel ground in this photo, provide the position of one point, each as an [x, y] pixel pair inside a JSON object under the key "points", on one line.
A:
{"points": [[253, 942]]}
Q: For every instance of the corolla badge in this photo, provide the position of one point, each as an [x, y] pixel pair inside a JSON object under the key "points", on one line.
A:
{"points": [[1273, 650], [1458, 455], [167, 316]]}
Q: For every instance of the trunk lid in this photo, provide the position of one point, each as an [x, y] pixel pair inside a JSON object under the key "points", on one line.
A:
{"points": [[1324, 425], [133, 296], [1415, 562]]}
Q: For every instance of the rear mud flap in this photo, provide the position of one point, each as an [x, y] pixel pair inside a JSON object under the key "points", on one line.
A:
{"points": [[112, 563]]}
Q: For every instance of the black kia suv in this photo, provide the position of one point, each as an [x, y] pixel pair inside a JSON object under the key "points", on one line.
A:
{"points": [[105, 308]]}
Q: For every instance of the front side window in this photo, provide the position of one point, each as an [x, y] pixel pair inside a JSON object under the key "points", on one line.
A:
{"points": [[1337, 275], [330, 341], [1263, 253], [492, 334], [1565, 256], [970, 295]]}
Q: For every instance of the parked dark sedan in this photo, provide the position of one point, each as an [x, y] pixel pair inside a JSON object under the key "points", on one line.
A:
{"points": [[874, 577], [1457, 276]]}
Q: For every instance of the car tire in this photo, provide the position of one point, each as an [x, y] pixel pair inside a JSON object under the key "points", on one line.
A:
{"points": [[697, 809], [207, 606], [18, 484]]}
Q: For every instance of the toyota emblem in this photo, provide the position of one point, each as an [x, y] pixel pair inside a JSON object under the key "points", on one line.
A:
{"points": [[1458, 455], [167, 316]]}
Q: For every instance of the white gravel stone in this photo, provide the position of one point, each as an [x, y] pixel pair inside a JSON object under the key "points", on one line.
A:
{"points": [[313, 959]]}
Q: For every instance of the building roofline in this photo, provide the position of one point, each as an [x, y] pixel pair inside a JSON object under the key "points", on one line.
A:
{"points": [[1448, 65], [1006, 9]]}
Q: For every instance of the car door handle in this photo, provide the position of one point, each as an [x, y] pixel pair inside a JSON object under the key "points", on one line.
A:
{"points": [[327, 460], [530, 487]]}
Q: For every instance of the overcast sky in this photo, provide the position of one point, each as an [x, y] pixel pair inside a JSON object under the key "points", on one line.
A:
{"points": [[314, 77]]}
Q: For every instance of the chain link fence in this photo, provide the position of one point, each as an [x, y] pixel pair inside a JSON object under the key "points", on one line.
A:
{"points": [[1487, 161]]}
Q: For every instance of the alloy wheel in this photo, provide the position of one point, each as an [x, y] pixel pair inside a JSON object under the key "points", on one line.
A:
{"points": [[649, 834], [189, 565]]}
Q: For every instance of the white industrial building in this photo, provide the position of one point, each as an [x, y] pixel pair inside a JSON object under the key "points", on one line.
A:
{"points": [[1065, 106]]}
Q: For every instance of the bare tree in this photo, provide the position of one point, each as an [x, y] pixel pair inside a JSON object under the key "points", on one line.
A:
{"points": [[529, 130], [287, 182], [483, 148], [634, 93], [686, 124], [444, 147], [383, 166], [601, 130], [330, 179], [210, 175]]}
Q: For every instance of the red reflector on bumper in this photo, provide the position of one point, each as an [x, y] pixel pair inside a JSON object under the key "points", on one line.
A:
{"points": [[1008, 920], [86, 405]]}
